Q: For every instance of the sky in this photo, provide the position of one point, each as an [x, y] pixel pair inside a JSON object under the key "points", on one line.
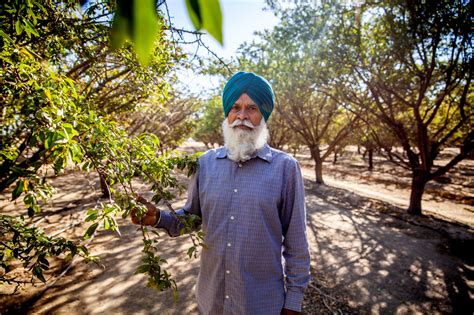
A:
{"points": [[240, 18]]}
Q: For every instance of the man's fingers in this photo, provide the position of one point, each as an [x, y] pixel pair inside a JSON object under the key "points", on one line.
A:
{"points": [[148, 218], [140, 199], [133, 216]]}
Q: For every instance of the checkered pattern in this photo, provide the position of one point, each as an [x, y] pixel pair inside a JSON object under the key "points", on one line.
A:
{"points": [[253, 215]]}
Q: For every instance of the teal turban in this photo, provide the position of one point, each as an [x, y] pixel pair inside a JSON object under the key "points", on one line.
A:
{"points": [[256, 87]]}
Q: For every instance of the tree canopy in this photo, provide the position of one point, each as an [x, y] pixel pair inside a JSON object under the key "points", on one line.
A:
{"points": [[396, 72], [65, 97]]}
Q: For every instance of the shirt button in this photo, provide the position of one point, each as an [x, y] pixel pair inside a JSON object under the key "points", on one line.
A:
{"points": [[228, 244], [227, 297], [227, 271], [235, 190], [240, 165], [232, 217]]}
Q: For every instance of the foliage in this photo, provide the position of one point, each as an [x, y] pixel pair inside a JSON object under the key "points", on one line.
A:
{"points": [[62, 91], [397, 72], [136, 21], [410, 69], [281, 135], [293, 57], [30, 246], [209, 128], [207, 15], [171, 120]]}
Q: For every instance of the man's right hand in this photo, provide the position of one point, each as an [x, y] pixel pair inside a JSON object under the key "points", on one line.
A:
{"points": [[150, 218]]}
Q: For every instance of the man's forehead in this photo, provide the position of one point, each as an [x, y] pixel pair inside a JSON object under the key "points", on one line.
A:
{"points": [[244, 99]]}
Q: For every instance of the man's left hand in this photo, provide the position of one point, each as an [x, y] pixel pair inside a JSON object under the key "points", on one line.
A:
{"points": [[286, 311]]}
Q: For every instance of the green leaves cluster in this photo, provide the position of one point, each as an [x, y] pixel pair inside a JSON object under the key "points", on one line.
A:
{"points": [[158, 278], [33, 248], [63, 94], [137, 21], [206, 14]]}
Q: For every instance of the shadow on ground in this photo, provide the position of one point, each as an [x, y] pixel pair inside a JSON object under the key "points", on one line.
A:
{"points": [[113, 288], [384, 264], [375, 263]]}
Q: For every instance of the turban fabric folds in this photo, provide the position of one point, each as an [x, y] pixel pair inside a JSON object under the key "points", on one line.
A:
{"points": [[256, 87]]}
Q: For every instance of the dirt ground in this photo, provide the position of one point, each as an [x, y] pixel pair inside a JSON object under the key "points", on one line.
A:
{"points": [[368, 256]]}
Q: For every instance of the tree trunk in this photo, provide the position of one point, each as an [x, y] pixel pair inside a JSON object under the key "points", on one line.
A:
{"points": [[319, 172], [318, 165], [417, 188], [104, 186], [371, 159]]}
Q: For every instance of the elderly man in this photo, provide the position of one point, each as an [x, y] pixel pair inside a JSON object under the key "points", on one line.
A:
{"points": [[250, 198]]}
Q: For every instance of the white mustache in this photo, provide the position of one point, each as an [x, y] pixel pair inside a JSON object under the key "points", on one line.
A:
{"points": [[239, 122]]}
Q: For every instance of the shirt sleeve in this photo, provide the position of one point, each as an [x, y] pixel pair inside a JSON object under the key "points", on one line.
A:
{"points": [[295, 242], [173, 222]]}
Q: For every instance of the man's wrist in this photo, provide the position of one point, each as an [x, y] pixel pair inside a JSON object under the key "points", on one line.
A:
{"points": [[158, 217]]}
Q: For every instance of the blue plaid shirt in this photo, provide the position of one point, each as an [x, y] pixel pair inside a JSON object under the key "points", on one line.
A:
{"points": [[253, 214]]}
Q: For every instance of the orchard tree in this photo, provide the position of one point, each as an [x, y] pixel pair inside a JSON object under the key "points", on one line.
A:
{"points": [[62, 90], [413, 60], [172, 120], [293, 58], [209, 129], [282, 137]]}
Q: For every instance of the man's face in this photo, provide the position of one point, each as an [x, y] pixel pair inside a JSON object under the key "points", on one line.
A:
{"points": [[245, 109]]}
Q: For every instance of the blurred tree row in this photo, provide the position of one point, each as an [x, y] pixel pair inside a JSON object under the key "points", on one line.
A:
{"points": [[208, 129]]}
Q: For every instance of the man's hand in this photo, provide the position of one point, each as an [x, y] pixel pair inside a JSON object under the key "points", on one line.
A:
{"points": [[286, 311], [150, 218]]}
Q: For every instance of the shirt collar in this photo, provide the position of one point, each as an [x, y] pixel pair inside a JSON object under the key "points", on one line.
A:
{"points": [[264, 153]]}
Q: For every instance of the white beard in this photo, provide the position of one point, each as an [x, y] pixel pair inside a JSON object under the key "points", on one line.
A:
{"points": [[242, 144]]}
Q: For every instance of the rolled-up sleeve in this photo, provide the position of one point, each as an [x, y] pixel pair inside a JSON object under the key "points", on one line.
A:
{"points": [[173, 222], [295, 242]]}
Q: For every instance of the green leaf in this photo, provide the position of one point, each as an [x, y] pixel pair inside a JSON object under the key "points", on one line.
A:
{"points": [[44, 263], [142, 269], [65, 134], [90, 231], [145, 28], [18, 28], [106, 224], [194, 13], [136, 20], [38, 273], [91, 217], [20, 186], [207, 15], [5, 37], [212, 18], [191, 250], [120, 27], [82, 249], [92, 211], [31, 28], [47, 141], [85, 166]]}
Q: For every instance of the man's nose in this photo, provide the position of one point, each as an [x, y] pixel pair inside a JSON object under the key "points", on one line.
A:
{"points": [[242, 114]]}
